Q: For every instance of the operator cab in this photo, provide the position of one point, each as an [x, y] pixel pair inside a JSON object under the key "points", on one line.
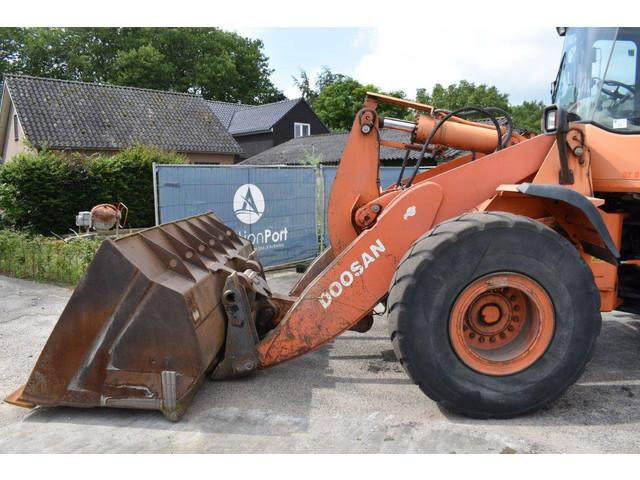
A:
{"points": [[598, 77]]}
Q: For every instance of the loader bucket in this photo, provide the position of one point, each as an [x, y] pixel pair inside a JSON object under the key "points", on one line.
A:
{"points": [[145, 323]]}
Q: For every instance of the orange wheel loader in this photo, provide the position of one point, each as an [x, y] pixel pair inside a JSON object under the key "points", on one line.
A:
{"points": [[494, 267]]}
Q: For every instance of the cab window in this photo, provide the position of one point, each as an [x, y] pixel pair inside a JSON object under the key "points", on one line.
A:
{"points": [[615, 69]]}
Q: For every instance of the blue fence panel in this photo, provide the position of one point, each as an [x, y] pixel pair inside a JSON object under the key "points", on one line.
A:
{"points": [[328, 176], [274, 207], [287, 231]]}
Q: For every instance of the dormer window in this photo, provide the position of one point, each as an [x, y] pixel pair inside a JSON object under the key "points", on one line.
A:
{"points": [[301, 130]]}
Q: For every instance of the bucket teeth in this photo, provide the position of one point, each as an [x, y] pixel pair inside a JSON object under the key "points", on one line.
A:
{"points": [[147, 321]]}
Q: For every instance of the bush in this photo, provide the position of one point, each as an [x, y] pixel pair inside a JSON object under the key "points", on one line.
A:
{"points": [[42, 192], [44, 258], [127, 177]]}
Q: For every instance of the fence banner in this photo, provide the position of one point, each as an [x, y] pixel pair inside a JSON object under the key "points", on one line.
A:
{"points": [[274, 207]]}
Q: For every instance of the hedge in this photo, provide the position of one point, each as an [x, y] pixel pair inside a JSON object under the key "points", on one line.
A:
{"points": [[45, 259], [42, 192]]}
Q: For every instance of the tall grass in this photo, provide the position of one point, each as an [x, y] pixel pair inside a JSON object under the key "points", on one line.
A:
{"points": [[44, 259]]}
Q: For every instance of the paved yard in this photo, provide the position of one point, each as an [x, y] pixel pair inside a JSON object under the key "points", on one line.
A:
{"points": [[350, 396]]}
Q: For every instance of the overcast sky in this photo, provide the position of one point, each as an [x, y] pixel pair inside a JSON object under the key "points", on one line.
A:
{"points": [[521, 61]]}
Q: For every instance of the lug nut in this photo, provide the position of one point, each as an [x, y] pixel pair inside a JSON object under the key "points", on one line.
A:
{"points": [[510, 328], [502, 335], [472, 335], [492, 339]]}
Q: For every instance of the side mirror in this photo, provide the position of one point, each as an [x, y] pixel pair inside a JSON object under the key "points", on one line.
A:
{"points": [[554, 120]]}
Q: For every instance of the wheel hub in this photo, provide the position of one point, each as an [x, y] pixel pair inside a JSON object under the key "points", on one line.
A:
{"points": [[501, 323], [494, 318]]}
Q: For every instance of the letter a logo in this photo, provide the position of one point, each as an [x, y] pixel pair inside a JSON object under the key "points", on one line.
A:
{"points": [[248, 203]]}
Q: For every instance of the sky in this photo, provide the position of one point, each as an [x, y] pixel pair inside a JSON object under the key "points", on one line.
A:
{"points": [[519, 60]]}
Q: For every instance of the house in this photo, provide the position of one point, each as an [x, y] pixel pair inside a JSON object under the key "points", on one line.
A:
{"points": [[327, 149], [98, 118], [260, 127]]}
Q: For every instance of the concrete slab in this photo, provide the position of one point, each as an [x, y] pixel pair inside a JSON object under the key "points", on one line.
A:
{"points": [[350, 396]]}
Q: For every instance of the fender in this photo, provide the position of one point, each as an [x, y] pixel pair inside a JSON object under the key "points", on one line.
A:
{"points": [[606, 249]]}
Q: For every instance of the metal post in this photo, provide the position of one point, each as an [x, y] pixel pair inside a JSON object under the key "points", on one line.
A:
{"points": [[320, 208], [156, 207]]}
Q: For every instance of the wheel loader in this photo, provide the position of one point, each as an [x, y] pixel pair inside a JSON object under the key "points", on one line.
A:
{"points": [[494, 267]]}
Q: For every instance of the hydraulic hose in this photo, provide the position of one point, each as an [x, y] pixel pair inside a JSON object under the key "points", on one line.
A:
{"points": [[488, 112]]}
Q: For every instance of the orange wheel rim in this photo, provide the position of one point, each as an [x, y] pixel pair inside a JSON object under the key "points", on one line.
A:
{"points": [[501, 323]]}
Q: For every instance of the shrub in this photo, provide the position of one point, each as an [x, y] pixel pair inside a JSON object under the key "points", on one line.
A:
{"points": [[127, 177], [42, 192], [44, 258]]}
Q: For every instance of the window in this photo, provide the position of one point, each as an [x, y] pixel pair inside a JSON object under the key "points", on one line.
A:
{"points": [[16, 136], [598, 77], [301, 130]]}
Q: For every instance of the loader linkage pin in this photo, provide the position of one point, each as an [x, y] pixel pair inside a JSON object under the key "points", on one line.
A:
{"points": [[240, 354]]}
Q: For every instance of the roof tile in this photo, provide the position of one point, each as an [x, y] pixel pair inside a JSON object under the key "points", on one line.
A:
{"points": [[77, 115], [243, 119], [329, 146]]}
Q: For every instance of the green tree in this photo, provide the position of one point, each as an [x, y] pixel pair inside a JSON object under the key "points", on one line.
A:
{"points": [[463, 94], [336, 98], [143, 67], [338, 103], [11, 39], [528, 115], [214, 63], [303, 83]]}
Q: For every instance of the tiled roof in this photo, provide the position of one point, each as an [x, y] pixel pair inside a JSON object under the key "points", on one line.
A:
{"points": [[328, 146], [77, 115], [225, 111], [243, 119]]}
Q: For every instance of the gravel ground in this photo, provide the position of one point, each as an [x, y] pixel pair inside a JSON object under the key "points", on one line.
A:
{"points": [[350, 396]]}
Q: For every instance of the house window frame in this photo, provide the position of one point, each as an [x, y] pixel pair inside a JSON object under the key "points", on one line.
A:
{"points": [[301, 124], [16, 130]]}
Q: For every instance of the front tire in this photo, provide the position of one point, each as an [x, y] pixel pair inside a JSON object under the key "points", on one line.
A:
{"points": [[493, 314]]}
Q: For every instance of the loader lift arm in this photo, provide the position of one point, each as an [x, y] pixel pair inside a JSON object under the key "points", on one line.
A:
{"points": [[360, 275]]}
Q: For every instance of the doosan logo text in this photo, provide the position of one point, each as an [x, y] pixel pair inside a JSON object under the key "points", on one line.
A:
{"points": [[347, 277]]}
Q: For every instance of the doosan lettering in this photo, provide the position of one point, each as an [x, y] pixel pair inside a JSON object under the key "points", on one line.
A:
{"points": [[356, 269]]}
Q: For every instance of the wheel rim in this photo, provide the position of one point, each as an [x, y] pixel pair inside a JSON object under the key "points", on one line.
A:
{"points": [[501, 323]]}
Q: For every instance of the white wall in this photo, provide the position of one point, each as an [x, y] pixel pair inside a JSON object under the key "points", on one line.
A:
{"points": [[12, 147]]}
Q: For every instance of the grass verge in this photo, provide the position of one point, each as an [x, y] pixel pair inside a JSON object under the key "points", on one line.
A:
{"points": [[45, 259]]}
